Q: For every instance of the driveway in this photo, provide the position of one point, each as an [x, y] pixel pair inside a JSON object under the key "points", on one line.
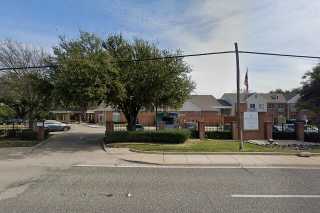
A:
{"points": [[20, 166], [80, 137]]}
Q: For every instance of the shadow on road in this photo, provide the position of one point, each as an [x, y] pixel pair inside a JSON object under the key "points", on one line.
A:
{"points": [[81, 138]]}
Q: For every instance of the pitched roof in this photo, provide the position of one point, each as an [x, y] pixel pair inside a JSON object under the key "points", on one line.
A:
{"points": [[294, 99], [103, 107], [202, 103], [224, 102], [231, 98]]}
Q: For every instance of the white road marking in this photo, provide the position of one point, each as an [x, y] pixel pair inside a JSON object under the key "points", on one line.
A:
{"points": [[275, 196]]}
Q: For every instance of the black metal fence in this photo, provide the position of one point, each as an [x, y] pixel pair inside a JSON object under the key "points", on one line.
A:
{"points": [[219, 131], [17, 130], [284, 132], [312, 133], [223, 131]]}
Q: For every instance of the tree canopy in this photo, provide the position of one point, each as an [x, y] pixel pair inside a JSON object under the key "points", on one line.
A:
{"points": [[26, 91], [145, 84], [88, 70], [310, 92], [83, 74], [6, 112]]}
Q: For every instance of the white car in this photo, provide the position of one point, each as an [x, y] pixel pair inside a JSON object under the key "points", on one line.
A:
{"points": [[53, 126]]}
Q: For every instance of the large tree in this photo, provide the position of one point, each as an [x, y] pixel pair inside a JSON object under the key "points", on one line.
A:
{"points": [[147, 83], [310, 92], [83, 74], [6, 112], [26, 91]]}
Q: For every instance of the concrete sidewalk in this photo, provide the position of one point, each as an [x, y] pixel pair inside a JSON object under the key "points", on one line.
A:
{"points": [[220, 160]]}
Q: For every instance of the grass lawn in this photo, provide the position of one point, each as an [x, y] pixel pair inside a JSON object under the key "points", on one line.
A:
{"points": [[17, 143], [205, 146]]}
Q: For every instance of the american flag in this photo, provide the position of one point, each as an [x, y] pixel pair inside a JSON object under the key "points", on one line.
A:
{"points": [[246, 82]]}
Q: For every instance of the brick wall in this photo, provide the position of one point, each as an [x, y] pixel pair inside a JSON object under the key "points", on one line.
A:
{"points": [[209, 117], [259, 134], [255, 134]]}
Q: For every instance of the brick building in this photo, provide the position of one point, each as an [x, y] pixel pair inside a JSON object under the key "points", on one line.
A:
{"points": [[204, 108], [275, 104]]}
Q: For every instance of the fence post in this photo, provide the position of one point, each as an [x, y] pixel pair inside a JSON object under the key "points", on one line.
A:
{"points": [[109, 127], [268, 130], [40, 133], [300, 130], [201, 129]]}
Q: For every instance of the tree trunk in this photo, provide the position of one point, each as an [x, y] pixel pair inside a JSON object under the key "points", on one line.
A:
{"points": [[30, 123], [156, 117], [131, 119]]}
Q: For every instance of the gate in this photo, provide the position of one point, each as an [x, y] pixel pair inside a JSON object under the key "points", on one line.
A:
{"points": [[284, 132], [311, 133]]}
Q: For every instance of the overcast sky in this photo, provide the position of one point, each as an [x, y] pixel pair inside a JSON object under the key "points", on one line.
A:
{"points": [[194, 26]]}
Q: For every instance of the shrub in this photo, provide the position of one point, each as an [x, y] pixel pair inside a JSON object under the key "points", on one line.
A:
{"points": [[194, 133], [162, 136], [219, 135]]}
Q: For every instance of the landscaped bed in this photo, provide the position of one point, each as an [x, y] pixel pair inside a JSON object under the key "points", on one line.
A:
{"points": [[207, 146]]}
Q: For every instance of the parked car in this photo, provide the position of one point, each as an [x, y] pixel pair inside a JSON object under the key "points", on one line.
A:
{"points": [[54, 126], [190, 125], [311, 129], [139, 127], [284, 128]]}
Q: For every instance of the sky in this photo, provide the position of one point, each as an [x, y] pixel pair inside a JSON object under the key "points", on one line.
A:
{"points": [[194, 26]]}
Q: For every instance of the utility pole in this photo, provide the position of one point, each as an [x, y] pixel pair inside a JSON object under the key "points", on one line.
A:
{"points": [[238, 97]]}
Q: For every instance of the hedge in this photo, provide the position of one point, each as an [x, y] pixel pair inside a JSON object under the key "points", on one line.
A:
{"points": [[219, 135], [161, 136]]}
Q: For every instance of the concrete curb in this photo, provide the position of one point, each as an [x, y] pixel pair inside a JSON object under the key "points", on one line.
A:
{"points": [[219, 153], [237, 165], [42, 143]]}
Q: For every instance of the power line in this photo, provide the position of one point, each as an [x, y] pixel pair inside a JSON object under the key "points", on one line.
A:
{"points": [[127, 61], [280, 54], [174, 56], [177, 56]]}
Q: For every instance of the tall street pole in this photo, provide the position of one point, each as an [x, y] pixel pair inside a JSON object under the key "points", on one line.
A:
{"points": [[238, 97]]}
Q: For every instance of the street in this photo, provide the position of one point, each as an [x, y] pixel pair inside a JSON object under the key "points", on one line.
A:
{"points": [[81, 189]]}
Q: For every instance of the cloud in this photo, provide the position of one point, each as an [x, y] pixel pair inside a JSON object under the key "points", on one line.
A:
{"points": [[212, 25], [194, 26]]}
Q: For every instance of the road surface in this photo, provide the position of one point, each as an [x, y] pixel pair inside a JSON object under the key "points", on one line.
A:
{"points": [[91, 189]]}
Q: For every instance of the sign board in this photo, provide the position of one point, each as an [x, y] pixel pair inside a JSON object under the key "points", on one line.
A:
{"points": [[251, 121]]}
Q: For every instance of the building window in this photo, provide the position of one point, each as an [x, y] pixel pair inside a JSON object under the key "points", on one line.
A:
{"points": [[252, 106], [261, 106]]}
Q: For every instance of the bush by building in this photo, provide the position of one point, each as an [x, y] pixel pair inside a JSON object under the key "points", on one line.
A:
{"points": [[162, 136]]}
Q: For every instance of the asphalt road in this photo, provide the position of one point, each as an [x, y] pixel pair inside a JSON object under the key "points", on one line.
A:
{"points": [[82, 189]]}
